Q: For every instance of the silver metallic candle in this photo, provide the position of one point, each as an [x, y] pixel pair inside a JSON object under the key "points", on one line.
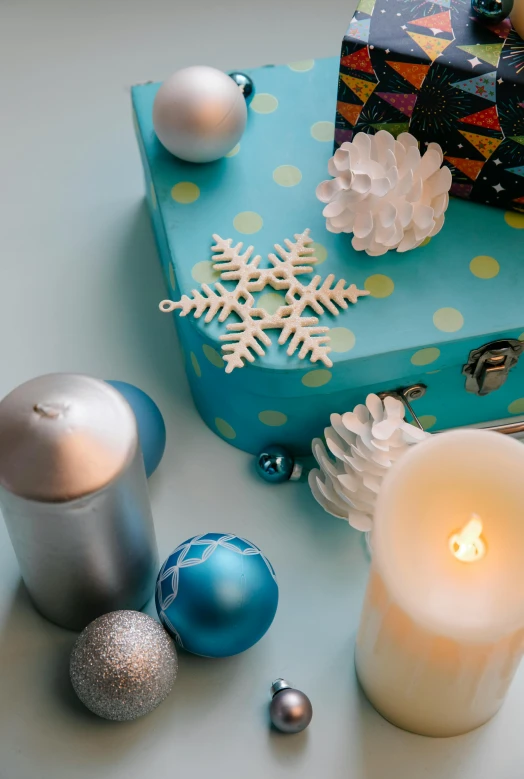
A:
{"points": [[74, 495]]}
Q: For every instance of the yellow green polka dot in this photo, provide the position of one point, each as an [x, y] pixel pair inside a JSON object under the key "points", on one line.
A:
{"points": [[234, 151], [195, 364], [264, 103], [225, 429], [185, 192], [484, 267], [514, 220], [425, 356], [449, 320], [302, 67], [213, 356], [521, 337], [316, 378], [379, 286], [517, 407], [172, 279], [248, 222], [153, 196], [321, 253], [427, 421], [272, 418], [204, 273], [341, 339], [271, 301], [432, 373], [323, 131], [287, 176], [425, 241]]}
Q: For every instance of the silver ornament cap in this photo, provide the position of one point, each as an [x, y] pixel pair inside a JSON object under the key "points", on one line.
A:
{"points": [[290, 710], [123, 665]]}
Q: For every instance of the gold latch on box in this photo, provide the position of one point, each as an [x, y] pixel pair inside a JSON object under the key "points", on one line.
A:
{"points": [[488, 367]]}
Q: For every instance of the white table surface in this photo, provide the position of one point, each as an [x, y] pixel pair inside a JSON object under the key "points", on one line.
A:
{"points": [[79, 287]]}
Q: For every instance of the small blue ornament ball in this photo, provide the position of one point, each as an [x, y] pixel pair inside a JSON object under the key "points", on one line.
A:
{"points": [[216, 595], [276, 465], [491, 11], [151, 427], [246, 85]]}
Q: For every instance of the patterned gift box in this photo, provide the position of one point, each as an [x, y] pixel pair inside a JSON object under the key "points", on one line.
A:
{"points": [[433, 70]]}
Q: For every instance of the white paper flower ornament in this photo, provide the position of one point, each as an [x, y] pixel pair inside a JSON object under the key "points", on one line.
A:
{"points": [[385, 192]]}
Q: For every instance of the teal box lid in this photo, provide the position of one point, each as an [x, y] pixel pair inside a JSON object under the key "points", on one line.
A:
{"points": [[427, 308]]}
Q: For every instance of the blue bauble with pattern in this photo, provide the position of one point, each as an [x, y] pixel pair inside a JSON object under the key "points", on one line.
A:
{"points": [[216, 594], [151, 427]]}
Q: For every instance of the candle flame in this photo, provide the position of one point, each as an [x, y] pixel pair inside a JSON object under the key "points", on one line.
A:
{"points": [[467, 544]]}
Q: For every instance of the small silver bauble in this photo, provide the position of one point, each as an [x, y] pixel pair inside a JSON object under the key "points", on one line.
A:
{"points": [[290, 710], [123, 665], [199, 114]]}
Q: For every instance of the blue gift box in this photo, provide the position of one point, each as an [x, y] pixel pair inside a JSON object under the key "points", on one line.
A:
{"points": [[427, 311]]}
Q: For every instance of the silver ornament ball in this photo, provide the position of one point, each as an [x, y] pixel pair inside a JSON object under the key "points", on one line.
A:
{"points": [[123, 665], [199, 114], [290, 710]]}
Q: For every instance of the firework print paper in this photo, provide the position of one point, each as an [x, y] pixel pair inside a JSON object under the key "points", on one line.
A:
{"points": [[432, 70]]}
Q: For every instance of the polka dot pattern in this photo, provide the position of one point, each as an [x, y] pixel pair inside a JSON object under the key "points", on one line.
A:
{"points": [[271, 301], [248, 222], [225, 429], [427, 421], [379, 286], [204, 273], [171, 274], [484, 267], [272, 418], [425, 242], [213, 356], [316, 378], [185, 192], [521, 337], [234, 151], [448, 320], [287, 176], [425, 356], [302, 67], [264, 103], [513, 219], [321, 253], [195, 364], [341, 339], [154, 202], [324, 132], [517, 407]]}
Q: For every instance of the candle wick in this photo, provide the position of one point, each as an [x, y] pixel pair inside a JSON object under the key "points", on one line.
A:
{"points": [[44, 410]]}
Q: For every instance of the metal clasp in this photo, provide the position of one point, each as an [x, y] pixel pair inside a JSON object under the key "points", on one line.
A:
{"points": [[488, 367], [406, 395]]}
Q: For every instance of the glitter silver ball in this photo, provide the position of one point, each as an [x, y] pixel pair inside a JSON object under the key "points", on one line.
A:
{"points": [[291, 710], [123, 665]]}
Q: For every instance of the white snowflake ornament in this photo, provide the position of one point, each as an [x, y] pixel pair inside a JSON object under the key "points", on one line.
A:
{"points": [[365, 443], [385, 192], [248, 337]]}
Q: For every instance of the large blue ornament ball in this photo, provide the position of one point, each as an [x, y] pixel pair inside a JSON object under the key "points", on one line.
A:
{"points": [[491, 11], [151, 427], [216, 595]]}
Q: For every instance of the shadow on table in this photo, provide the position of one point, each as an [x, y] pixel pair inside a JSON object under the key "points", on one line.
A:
{"points": [[34, 658]]}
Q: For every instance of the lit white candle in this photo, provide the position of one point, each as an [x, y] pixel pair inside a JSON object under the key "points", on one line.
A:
{"points": [[517, 17], [442, 629]]}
